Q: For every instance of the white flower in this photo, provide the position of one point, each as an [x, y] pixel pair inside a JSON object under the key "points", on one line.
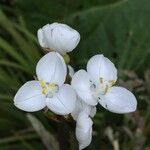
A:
{"points": [[96, 85], [82, 84], [58, 37], [84, 130], [82, 106], [49, 90]]}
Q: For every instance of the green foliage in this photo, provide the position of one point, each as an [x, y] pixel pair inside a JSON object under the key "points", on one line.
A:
{"points": [[120, 29], [18, 56], [53, 9]]}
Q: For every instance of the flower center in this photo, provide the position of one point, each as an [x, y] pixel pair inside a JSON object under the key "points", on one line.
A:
{"points": [[49, 89], [105, 85], [101, 88]]}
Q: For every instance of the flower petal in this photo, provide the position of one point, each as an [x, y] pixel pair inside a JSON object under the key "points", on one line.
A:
{"points": [[93, 112], [101, 67], [81, 83], [58, 37], [41, 38], [119, 100], [84, 130], [71, 71], [29, 97], [52, 68], [82, 106], [64, 102]]}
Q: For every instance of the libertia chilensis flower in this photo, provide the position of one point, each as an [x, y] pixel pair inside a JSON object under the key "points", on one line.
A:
{"points": [[87, 89]]}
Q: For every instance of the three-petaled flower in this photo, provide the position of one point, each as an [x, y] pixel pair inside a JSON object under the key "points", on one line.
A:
{"points": [[49, 90], [96, 85], [93, 86]]}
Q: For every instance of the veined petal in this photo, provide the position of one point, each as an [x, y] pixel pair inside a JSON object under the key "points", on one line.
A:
{"points": [[58, 37], [119, 100], [51, 68], [100, 67], [84, 130], [64, 101], [82, 106], [29, 97], [81, 83]]}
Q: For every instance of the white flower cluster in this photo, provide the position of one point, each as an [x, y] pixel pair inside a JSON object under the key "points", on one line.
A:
{"points": [[87, 89]]}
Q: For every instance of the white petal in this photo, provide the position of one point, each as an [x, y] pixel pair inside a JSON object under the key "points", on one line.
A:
{"points": [[52, 68], [41, 39], [82, 106], [119, 100], [84, 130], [58, 37], [81, 83], [93, 112], [71, 71], [29, 97], [64, 102], [101, 67]]}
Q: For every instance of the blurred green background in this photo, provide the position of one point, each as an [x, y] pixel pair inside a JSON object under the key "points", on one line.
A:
{"points": [[120, 29]]}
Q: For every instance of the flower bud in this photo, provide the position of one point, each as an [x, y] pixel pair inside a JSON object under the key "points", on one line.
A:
{"points": [[58, 37], [84, 130]]}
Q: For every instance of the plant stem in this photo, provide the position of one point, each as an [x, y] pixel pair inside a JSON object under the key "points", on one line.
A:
{"points": [[63, 136]]}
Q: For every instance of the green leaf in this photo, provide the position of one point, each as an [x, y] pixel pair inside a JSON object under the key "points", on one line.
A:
{"points": [[116, 30]]}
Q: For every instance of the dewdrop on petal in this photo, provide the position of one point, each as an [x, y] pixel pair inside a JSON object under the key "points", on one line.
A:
{"points": [[58, 37]]}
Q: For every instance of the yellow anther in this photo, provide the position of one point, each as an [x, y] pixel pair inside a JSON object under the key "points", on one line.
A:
{"points": [[112, 82], [52, 86], [101, 80], [106, 89], [44, 90], [42, 83], [46, 87]]}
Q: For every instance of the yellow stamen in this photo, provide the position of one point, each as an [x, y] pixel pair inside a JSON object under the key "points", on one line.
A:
{"points": [[52, 86], [42, 83], [101, 80], [106, 89], [46, 87], [44, 90], [112, 82]]}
